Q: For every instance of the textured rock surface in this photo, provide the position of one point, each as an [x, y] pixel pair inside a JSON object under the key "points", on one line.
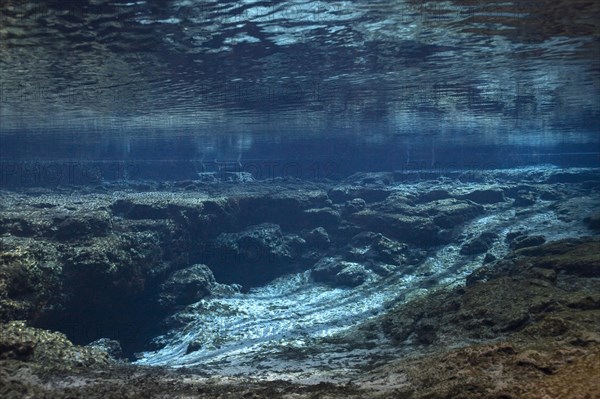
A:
{"points": [[546, 324], [478, 245], [29, 283], [190, 285], [110, 346], [339, 273], [253, 256], [514, 331], [593, 221], [20, 342], [99, 262]]}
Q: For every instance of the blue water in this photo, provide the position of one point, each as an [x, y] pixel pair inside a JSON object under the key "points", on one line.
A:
{"points": [[104, 91], [169, 87]]}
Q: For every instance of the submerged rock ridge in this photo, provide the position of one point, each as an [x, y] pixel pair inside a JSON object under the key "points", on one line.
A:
{"points": [[382, 285]]}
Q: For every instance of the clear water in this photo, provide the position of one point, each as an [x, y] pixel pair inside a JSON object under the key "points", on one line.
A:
{"points": [[98, 90], [373, 85]]}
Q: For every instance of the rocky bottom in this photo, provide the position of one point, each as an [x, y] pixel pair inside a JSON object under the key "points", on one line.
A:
{"points": [[437, 288], [527, 327]]}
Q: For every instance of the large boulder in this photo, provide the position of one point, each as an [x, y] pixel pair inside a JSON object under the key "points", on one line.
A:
{"points": [[253, 256], [339, 273], [201, 214], [78, 225], [18, 341], [426, 224], [30, 280], [369, 246], [325, 217], [317, 238], [285, 207], [111, 347], [452, 213], [354, 205], [406, 228], [190, 285], [479, 244]]}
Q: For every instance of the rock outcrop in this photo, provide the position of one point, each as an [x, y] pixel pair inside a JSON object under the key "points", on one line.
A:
{"points": [[189, 285], [119, 264]]}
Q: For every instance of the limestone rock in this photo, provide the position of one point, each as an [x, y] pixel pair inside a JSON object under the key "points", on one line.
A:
{"points": [[369, 193], [478, 245], [369, 246], [334, 271], [326, 217], [524, 199], [28, 282], [188, 285], [111, 346], [485, 196], [572, 256], [18, 341], [254, 255], [354, 205], [524, 241], [318, 238]]}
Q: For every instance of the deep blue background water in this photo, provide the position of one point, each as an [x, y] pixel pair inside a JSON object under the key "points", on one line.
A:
{"points": [[166, 89]]}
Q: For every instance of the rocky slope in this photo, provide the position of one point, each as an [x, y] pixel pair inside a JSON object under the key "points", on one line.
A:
{"points": [[134, 261]]}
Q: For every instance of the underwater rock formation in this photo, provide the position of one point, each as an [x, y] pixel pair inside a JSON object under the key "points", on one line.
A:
{"points": [[116, 264], [339, 273], [253, 256], [189, 285], [20, 342], [542, 315], [426, 224], [111, 346], [478, 245], [30, 280]]}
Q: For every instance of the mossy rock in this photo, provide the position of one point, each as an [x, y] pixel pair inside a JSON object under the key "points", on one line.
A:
{"points": [[577, 257], [50, 349]]}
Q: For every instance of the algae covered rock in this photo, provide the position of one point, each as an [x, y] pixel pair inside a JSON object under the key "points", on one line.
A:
{"points": [[18, 341], [426, 224], [524, 241], [326, 217], [571, 256], [522, 292], [318, 238], [190, 285], [285, 207], [523, 199], [354, 205], [112, 347], [479, 244], [114, 262], [75, 226], [29, 283], [257, 254], [337, 272], [369, 246], [187, 286]]}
